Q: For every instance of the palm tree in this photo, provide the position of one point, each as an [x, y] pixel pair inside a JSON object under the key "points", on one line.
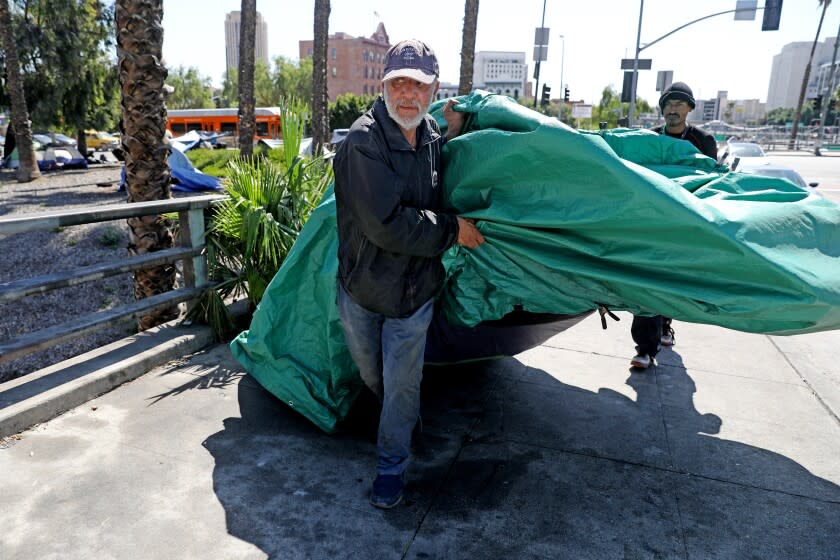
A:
{"points": [[468, 46], [798, 115], [320, 95], [27, 166], [139, 44], [247, 38]]}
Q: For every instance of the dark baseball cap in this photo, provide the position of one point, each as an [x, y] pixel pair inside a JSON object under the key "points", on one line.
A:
{"points": [[677, 90], [411, 59]]}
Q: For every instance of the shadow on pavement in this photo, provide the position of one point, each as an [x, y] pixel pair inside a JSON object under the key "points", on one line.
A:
{"points": [[513, 463]]}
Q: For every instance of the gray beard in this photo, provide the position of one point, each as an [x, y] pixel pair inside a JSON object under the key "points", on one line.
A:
{"points": [[407, 124]]}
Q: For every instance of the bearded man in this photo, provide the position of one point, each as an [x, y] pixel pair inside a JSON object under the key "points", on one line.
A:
{"points": [[391, 236]]}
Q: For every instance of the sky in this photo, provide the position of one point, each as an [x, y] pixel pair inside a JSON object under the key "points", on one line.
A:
{"points": [[718, 53]]}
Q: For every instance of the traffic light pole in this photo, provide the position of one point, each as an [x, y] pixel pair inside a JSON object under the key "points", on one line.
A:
{"points": [[639, 48]]}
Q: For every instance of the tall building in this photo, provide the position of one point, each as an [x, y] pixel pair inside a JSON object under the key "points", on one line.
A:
{"points": [[821, 85], [232, 23], [354, 64], [500, 72], [732, 111], [789, 68]]}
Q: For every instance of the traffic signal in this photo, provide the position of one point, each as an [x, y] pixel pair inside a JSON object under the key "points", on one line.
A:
{"points": [[772, 14], [566, 95], [546, 95], [818, 104]]}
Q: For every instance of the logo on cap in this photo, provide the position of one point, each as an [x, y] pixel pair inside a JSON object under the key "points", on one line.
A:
{"points": [[411, 59]]}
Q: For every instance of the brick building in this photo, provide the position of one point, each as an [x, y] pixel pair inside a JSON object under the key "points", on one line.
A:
{"points": [[354, 64]]}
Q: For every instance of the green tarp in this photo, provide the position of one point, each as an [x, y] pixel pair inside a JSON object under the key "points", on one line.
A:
{"points": [[573, 219]]}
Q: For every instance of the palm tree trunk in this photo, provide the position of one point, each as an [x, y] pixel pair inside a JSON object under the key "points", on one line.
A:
{"points": [[805, 78], [320, 94], [139, 44], [27, 165], [468, 46], [247, 40]]}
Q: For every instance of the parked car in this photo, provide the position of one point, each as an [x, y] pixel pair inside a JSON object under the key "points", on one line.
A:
{"points": [[100, 140], [731, 150], [64, 140], [757, 166], [55, 139]]}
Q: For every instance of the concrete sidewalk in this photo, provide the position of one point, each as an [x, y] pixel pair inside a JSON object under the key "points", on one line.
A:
{"points": [[729, 448]]}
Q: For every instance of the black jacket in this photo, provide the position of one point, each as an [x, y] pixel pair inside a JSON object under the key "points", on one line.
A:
{"points": [[390, 237], [702, 140]]}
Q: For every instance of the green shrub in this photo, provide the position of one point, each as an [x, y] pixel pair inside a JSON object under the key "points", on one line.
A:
{"points": [[111, 236]]}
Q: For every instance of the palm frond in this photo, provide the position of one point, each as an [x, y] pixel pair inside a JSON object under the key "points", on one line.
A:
{"points": [[250, 234]]}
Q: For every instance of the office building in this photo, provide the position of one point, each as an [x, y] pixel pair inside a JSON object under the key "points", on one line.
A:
{"points": [[232, 23], [789, 68], [501, 72]]}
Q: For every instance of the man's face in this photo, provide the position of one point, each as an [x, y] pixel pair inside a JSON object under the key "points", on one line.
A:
{"points": [[408, 100], [675, 111]]}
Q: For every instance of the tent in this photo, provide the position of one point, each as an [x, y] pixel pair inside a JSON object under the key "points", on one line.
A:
{"points": [[45, 157], [185, 177], [196, 139], [68, 157], [574, 221]]}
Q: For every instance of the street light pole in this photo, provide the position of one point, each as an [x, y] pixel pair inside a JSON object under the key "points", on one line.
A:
{"points": [[562, 86], [635, 67], [537, 69]]}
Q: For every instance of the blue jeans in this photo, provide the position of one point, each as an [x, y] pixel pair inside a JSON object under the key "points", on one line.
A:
{"points": [[389, 354]]}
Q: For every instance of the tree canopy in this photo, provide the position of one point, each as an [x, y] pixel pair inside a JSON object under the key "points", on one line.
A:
{"points": [[349, 107], [67, 61], [191, 89], [285, 80]]}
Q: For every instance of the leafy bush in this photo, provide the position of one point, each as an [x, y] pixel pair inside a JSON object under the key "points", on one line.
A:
{"points": [[112, 236]]}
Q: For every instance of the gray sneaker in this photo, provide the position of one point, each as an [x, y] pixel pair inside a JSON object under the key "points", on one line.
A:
{"points": [[641, 361]]}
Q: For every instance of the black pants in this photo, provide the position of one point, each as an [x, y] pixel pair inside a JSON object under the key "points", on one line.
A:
{"points": [[647, 331]]}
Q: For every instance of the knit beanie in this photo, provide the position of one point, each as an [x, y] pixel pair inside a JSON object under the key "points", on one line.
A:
{"points": [[677, 90]]}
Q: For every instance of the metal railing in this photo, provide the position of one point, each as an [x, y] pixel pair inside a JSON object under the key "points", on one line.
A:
{"points": [[190, 252]]}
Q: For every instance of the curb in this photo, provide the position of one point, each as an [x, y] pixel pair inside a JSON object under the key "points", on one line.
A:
{"points": [[49, 392]]}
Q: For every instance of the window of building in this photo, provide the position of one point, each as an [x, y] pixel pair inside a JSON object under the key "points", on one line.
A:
{"points": [[366, 72], [366, 89], [334, 71], [334, 53], [308, 52]]}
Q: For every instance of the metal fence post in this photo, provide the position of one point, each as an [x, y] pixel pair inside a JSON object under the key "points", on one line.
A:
{"points": [[192, 235]]}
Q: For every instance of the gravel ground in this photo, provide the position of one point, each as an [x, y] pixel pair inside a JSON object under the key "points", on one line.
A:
{"points": [[30, 254]]}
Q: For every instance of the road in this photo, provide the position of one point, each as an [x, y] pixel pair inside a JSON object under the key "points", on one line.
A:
{"points": [[824, 170]]}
